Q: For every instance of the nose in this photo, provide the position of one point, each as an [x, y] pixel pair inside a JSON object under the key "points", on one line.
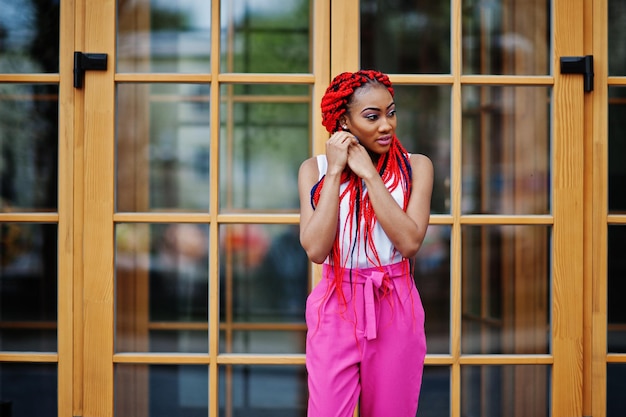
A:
{"points": [[385, 125]]}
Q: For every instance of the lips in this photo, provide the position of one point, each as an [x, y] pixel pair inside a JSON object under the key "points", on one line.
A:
{"points": [[384, 141]]}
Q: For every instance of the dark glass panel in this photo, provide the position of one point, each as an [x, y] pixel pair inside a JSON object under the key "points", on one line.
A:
{"points": [[508, 390], [617, 37], [616, 264], [506, 150], [264, 282], [409, 36], [432, 279], [506, 289], [28, 390], [28, 287], [615, 377], [424, 127], [617, 150], [264, 137], [29, 141], [256, 391], [269, 36], [506, 37], [161, 390], [162, 277], [29, 36], [163, 36], [163, 143]]}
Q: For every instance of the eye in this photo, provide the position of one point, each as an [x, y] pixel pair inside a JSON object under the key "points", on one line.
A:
{"points": [[371, 117], [392, 113]]}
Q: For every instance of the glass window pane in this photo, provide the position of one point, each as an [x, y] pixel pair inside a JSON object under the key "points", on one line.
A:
{"points": [[161, 287], [432, 279], [509, 390], [163, 146], [264, 137], [28, 287], [28, 156], [409, 36], [264, 284], [617, 37], [164, 36], [28, 389], [616, 265], [506, 150], [506, 37], [161, 390], [253, 390], [266, 36], [435, 393], [29, 37], [424, 127], [617, 149], [615, 377], [506, 288]]}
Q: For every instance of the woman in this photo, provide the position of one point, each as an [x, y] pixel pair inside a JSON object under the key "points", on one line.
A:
{"points": [[365, 207]]}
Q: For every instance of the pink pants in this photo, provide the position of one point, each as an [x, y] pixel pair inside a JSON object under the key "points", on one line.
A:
{"points": [[373, 347]]}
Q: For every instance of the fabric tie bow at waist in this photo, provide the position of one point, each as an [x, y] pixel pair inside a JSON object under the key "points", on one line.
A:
{"points": [[374, 281]]}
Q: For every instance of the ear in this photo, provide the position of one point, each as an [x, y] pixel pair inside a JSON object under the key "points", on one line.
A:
{"points": [[344, 124]]}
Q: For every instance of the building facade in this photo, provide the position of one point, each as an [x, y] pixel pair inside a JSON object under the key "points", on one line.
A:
{"points": [[149, 150]]}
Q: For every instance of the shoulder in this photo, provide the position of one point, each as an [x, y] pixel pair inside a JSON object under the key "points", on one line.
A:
{"points": [[309, 168], [421, 165], [419, 160]]}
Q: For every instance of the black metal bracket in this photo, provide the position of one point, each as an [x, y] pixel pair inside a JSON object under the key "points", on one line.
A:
{"points": [[84, 62], [579, 65]]}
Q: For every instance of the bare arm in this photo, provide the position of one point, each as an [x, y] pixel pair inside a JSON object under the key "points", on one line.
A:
{"points": [[318, 226], [406, 230]]}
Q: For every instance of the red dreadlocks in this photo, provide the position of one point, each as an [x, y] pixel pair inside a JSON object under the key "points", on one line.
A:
{"points": [[394, 168]]}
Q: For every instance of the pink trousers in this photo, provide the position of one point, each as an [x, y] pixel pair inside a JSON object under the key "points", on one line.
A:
{"points": [[370, 350]]}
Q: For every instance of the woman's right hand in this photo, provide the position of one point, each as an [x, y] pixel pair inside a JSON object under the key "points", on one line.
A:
{"points": [[337, 150]]}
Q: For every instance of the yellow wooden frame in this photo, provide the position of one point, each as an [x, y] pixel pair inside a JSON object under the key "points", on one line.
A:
{"points": [[86, 213]]}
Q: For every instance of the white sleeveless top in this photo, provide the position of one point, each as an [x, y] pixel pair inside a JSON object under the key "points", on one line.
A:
{"points": [[358, 257]]}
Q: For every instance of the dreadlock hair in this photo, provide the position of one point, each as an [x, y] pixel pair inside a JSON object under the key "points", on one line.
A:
{"points": [[394, 167]]}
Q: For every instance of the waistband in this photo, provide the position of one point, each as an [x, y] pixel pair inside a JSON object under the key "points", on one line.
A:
{"points": [[372, 278]]}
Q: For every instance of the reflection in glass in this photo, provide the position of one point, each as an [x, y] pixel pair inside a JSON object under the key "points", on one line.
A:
{"points": [[266, 36], [410, 37], [506, 37], [28, 287], [254, 390], [510, 390], [617, 37], [264, 137], [29, 140], [163, 144], [435, 393], [29, 37], [424, 127], [506, 287], [616, 265], [164, 36], [161, 287], [617, 149], [615, 377], [264, 278], [161, 390], [432, 279], [28, 390], [506, 150]]}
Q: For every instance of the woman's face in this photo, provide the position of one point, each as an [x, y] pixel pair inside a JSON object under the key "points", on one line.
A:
{"points": [[371, 117]]}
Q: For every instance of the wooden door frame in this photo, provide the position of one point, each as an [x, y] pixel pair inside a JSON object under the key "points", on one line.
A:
{"points": [[577, 196], [595, 285]]}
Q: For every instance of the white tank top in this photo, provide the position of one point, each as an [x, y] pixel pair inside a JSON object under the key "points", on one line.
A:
{"points": [[356, 256]]}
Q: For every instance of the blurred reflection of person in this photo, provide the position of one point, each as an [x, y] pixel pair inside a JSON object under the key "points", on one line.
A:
{"points": [[364, 210]]}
